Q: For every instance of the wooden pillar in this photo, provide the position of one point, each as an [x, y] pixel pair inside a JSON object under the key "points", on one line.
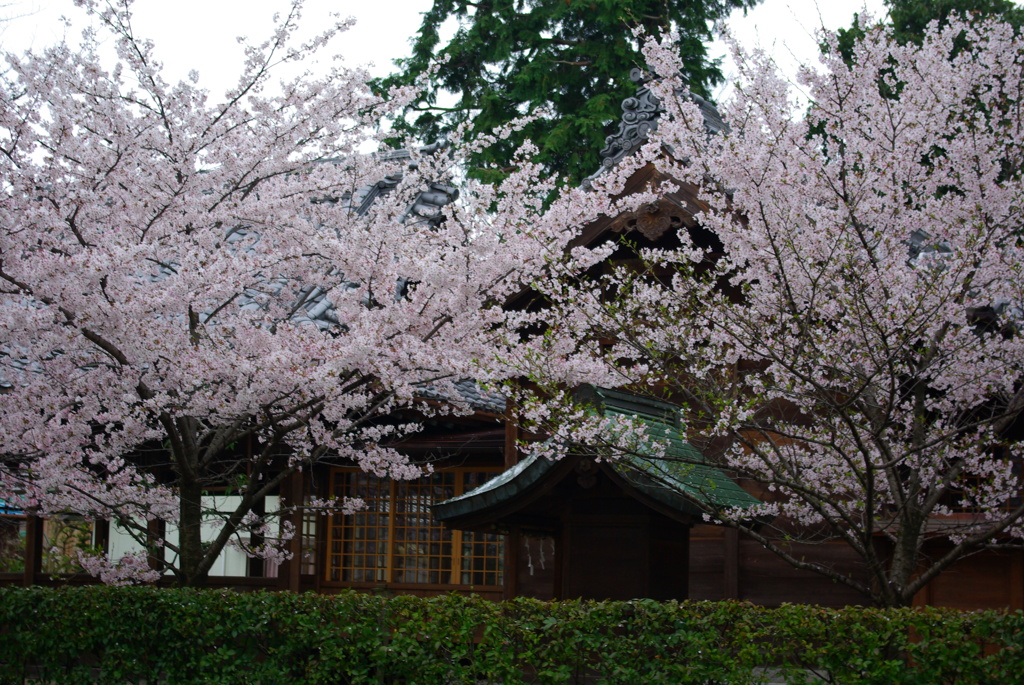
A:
{"points": [[511, 447], [289, 575], [256, 567], [156, 529], [731, 564], [513, 541], [513, 545], [33, 549], [319, 488], [101, 534], [1017, 580], [561, 540]]}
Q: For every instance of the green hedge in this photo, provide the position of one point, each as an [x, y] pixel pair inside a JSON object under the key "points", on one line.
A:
{"points": [[127, 635]]}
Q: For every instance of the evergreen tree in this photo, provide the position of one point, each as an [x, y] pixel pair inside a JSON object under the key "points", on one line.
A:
{"points": [[910, 18], [565, 61]]}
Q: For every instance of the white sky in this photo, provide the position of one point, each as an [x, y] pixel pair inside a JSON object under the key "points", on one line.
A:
{"points": [[200, 34], [786, 28]]}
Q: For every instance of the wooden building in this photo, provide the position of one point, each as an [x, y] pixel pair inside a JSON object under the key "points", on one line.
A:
{"points": [[618, 529], [489, 523]]}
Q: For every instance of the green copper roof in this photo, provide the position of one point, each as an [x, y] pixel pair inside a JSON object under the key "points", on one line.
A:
{"points": [[667, 458], [662, 465]]}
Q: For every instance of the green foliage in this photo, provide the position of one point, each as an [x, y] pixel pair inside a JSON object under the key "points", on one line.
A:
{"points": [[12, 546], [62, 539], [910, 18], [118, 635], [572, 58]]}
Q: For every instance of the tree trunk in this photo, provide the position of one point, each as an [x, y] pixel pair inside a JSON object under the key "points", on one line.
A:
{"points": [[192, 571]]}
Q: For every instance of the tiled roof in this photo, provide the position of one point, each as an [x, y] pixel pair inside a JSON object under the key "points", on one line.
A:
{"points": [[315, 307], [675, 474], [640, 115], [425, 206], [681, 468], [469, 392], [925, 252]]}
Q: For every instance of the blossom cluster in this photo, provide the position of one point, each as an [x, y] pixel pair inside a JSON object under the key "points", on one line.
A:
{"points": [[200, 290], [845, 327]]}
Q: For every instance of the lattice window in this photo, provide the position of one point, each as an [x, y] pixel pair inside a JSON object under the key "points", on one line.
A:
{"points": [[396, 540]]}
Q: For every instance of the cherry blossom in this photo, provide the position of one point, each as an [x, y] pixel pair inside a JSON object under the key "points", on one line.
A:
{"points": [[202, 292], [849, 340]]}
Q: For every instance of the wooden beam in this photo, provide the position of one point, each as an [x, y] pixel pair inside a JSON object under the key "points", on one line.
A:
{"points": [[511, 448]]}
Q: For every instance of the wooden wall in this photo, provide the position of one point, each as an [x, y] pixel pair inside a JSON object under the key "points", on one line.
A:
{"points": [[986, 580], [535, 567], [726, 565]]}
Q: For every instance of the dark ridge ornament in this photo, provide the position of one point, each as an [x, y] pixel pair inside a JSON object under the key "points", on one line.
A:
{"points": [[640, 114]]}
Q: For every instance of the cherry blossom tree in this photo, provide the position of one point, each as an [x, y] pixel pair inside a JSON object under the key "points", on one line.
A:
{"points": [[202, 293], [846, 336]]}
